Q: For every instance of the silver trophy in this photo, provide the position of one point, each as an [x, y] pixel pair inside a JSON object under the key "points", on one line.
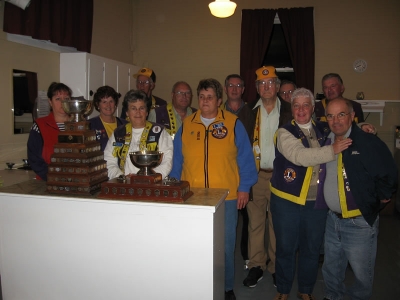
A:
{"points": [[145, 161], [77, 107]]}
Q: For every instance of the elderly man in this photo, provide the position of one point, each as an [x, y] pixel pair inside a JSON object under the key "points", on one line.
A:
{"points": [[234, 88], [146, 82], [173, 114], [268, 114], [212, 150], [354, 186], [332, 85], [286, 90]]}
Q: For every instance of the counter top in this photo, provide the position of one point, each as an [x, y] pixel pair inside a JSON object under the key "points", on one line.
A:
{"points": [[10, 177], [201, 196]]}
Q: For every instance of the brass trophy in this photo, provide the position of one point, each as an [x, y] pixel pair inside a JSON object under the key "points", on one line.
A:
{"points": [[146, 184], [77, 165]]}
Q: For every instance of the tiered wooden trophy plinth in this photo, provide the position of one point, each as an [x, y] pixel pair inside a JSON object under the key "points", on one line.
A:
{"points": [[146, 185], [77, 165], [140, 187]]}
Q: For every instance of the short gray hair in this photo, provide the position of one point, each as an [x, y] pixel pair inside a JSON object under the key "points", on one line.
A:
{"points": [[134, 96], [302, 92]]}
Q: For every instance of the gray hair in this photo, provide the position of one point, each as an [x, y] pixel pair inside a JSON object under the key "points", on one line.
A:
{"points": [[134, 96], [302, 92]]}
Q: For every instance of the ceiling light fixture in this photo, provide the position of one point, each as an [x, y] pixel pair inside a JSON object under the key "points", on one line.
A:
{"points": [[222, 8]]}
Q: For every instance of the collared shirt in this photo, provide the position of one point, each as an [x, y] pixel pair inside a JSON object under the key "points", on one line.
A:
{"points": [[235, 112], [152, 116], [331, 193], [269, 124]]}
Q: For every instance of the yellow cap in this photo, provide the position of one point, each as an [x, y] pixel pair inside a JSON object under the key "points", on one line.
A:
{"points": [[266, 72], [146, 72]]}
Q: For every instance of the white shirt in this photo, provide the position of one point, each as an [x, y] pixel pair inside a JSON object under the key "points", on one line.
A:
{"points": [[269, 124], [165, 145]]}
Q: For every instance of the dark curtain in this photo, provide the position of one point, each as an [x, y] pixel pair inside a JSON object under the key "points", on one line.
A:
{"points": [[64, 22], [298, 27], [256, 32]]}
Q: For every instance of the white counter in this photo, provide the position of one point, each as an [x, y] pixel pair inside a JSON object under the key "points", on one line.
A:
{"points": [[58, 247]]}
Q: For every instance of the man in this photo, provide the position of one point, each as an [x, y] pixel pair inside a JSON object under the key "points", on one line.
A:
{"points": [[146, 82], [173, 114], [212, 150], [354, 186], [286, 90], [234, 88], [268, 114], [332, 86]]}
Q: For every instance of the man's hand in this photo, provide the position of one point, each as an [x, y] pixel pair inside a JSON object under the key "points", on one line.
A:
{"points": [[385, 200], [339, 146], [242, 199]]}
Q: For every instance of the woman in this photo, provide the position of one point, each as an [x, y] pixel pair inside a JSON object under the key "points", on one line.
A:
{"points": [[298, 222], [44, 132], [136, 135], [212, 150], [105, 101]]}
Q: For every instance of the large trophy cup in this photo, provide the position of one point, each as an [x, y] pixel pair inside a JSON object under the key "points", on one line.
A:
{"points": [[77, 165], [146, 184]]}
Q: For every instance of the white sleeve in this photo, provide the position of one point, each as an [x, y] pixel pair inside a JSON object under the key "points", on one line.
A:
{"points": [[112, 162], [293, 150], [165, 145]]}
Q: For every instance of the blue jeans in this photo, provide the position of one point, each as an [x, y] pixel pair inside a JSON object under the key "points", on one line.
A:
{"points": [[298, 229], [354, 241], [231, 218]]}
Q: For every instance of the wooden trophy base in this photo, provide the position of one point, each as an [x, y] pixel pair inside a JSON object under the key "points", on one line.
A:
{"points": [[145, 188], [77, 165]]}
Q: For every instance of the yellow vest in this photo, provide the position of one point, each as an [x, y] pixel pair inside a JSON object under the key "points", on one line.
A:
{"points": [[210, 153]]}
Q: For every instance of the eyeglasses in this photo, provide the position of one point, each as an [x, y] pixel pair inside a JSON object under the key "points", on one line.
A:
{"points": [[141, 108], [147, 82], [231, 85], [297, 106], [339, 116], [208, 98], [182, 94], [284, 93], [266, 83]]}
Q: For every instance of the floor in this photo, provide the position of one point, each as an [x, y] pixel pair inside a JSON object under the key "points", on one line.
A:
{"points": [[387, 269]]}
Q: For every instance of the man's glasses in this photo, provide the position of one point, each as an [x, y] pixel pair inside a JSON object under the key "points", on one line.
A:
{"points": [[339, 116], [147, 82], [182, 94], [266, 83], [284, 93], [231, 85]]}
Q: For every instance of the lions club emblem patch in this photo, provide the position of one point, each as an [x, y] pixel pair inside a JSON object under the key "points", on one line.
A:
{"points": [[289, 175], [219, 131]]}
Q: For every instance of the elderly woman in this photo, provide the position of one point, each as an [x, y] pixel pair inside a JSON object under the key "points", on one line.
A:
{"points": [[105, 101], [298, 222], [212, 150], [44, 132], [136, 135]]}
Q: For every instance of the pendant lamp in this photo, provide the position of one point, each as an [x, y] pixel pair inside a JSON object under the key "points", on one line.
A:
{"points": [[222, 8]]}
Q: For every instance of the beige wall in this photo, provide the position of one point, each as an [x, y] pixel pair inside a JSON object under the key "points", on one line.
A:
{"points": [[182, 41], [111, 39]]}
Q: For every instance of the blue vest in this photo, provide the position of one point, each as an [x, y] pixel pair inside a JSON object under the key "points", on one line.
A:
{"points": [[290, 181]]}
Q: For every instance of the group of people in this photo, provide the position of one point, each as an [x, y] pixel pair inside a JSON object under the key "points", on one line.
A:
{"points": [[313, 174]]}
